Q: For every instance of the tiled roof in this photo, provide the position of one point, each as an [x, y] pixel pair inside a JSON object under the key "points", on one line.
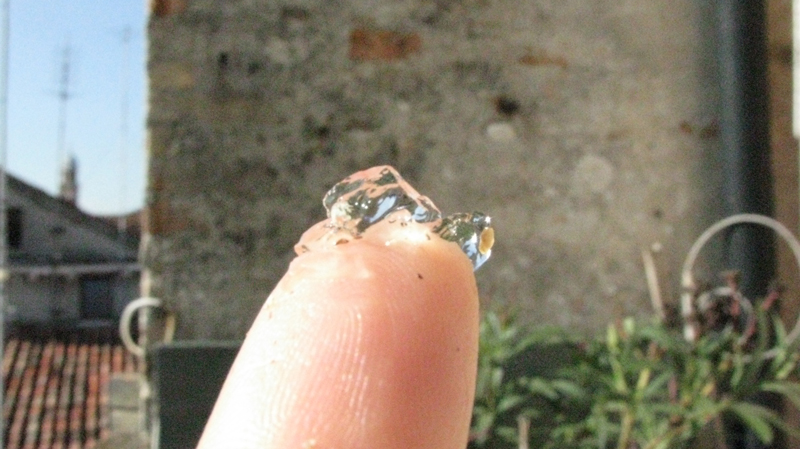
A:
{"points": [[56, 389], [102, 226], [132, 221]]}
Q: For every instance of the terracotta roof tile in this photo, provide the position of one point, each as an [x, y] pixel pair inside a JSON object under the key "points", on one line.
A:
{"points": [[56, 389]]}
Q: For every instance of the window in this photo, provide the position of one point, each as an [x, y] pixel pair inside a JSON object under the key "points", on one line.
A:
{"points": [[97, 297], [14, 227]]}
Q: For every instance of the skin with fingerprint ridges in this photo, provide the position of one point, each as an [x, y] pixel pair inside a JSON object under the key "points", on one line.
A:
{"points": [[368, 344]]}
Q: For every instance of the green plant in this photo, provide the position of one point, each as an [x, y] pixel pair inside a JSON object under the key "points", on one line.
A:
{"points": [[639, 386], [503, 393], [646, 385], [497, 396]]}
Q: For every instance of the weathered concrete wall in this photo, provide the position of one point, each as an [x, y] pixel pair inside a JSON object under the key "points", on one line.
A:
{"points": [[586, 129]]}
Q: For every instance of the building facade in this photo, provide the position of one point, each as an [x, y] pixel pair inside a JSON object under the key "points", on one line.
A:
{"points": [[66, 268], [589, 131]]}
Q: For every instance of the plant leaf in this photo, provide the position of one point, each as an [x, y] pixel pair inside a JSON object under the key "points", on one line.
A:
{"points": [[569, 388], [509, 402], [757, 418], [496, 378], [790, 390], [509, 434], [539, 386]]}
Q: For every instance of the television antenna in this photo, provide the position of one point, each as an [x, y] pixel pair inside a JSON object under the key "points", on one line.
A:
{"points": [[64, 95], [123, 151]]}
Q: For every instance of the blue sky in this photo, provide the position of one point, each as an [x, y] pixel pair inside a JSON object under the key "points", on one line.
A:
{"points": [[111, 169]]}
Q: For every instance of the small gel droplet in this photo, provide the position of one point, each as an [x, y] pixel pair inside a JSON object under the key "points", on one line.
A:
{"points": [[472, 232], [364, 199]]}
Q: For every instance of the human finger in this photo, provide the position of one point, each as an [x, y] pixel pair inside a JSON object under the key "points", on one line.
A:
{"points": [[360, 345]]}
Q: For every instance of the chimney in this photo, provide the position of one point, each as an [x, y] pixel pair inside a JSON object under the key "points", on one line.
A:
{"points": [[69, 184]]}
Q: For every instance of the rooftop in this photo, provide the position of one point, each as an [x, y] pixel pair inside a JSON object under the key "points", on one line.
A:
{"points": [[56, 387], [107, 226]]}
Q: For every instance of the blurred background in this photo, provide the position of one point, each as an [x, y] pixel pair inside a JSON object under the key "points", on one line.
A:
{"points": [[176, 149]]}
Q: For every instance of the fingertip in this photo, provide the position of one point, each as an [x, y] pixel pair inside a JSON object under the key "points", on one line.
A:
{"points": [[365, 344]]}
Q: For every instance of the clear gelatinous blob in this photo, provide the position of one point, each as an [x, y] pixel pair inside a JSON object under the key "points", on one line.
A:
{"points": [[472, 232], [381, 195], [357, 203]]}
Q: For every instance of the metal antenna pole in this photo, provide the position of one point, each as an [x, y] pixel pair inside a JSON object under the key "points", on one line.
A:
{"points": [[123, 153], [4, 38], [64, 95]]}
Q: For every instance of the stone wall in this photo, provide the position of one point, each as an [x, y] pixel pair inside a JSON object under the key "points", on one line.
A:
{"points": [[586, 129]]}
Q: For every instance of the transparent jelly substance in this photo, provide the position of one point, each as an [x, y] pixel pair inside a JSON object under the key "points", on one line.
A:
{"points": [[381, 195], [473, 233]]}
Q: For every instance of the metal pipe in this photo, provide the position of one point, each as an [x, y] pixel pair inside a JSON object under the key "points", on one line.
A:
{"points": [[796, 69], [4, 41], [744, 136]]}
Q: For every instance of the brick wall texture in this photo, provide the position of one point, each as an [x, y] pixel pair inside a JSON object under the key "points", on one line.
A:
{"points": [[586, 129]]}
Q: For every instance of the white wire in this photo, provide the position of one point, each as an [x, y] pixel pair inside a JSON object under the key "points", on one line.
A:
{"points": [[687, 278], [125, 324]]}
